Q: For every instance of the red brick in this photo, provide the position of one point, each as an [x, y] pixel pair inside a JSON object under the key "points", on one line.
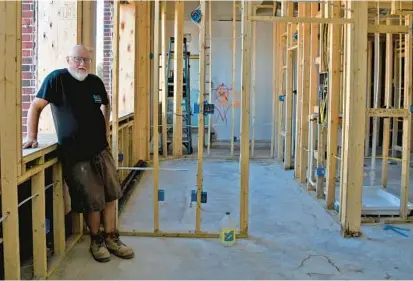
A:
{"points": [[26, 105], [26, 37], [27, 14], [26, 21], [27, 60], [26, 98], [24, 113], [27, 75], [26, 7], [27, 45], [26, 53], [27, 91], [27, 29]]}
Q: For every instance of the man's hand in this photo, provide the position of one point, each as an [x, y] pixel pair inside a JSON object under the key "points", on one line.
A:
{"points": [[30, 143]]}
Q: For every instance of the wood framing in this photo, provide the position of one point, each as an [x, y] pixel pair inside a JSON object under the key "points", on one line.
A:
{"points": [[10, 134], [201, 124], [356, 67], [155, 117], [407, 122], [140, 145], [333, 107], [178, 78], [245, 112]]}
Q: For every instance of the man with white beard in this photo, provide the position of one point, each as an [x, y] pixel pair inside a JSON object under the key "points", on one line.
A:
{"points": [[80, 108]]}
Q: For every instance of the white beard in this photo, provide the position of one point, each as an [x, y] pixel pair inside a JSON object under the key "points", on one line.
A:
{"points": [[77, 75]]}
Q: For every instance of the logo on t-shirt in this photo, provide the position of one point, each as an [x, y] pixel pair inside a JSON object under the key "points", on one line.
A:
{"points": [[97, 99]]}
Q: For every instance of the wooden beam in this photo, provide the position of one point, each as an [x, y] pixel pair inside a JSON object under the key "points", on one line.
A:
{"points": [[210, 78], [234, 69], [387, 102], [253, 86], [115, 93], [10, 92], [289, 93], [275, 76], [178, 78], [377, 92], [407, 122], [368, 98], [389, 29], [333, 108], [356, 75], [155, 116], [313, 87], [142, 67], [38, 224], [305, 97], [245, 112], [291, 19], [163, 80], [59, 234], [201, 124]]}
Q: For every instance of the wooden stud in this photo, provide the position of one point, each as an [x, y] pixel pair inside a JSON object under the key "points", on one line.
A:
{"points": [[368, 98], [313, 91], [377, 90], [59, 236], [234, 69], [275, 73], [140, 144], [299, 93], [210, 78], [201, 124], [281, 88], [289, 94], [10, 90], [253, 87], [178, 78], [387, 102], [164, 81], [352, 177], [407, 122], [245, 113], [305, 96], [39, 224], [155, 117], [333, 108]]}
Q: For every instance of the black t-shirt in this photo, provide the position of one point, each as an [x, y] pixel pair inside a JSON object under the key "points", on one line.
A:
{"points": [[79, 122]]}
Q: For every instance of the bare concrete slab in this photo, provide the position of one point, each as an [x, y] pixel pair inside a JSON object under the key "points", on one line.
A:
{"points": [[291, 235]]}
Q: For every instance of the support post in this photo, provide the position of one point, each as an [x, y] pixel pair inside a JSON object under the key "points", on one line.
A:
{"points": [[353, 149], [245, 112], [333, 107], [10, 138], [407, 122], [155, 117], [178, 78], [387, 102], [199, 177]]}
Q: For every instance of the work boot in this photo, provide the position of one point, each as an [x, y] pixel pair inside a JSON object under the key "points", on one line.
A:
{"points": [[117, 247], [98, 249]]}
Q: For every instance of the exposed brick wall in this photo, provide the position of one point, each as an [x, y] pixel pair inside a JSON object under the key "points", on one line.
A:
{"points": [[29, 57], [107, 44]]}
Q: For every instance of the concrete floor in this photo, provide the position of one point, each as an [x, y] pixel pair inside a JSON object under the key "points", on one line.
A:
{"points": [[291, 235]]}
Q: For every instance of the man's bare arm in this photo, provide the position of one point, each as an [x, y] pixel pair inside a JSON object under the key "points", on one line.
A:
{"points": [[33, 116]]}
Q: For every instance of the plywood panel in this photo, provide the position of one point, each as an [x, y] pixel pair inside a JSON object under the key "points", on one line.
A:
{"points": [[126, 58], [56, 36]]}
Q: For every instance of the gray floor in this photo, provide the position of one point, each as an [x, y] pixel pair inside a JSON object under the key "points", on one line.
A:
{"points": [[291, 235]]}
